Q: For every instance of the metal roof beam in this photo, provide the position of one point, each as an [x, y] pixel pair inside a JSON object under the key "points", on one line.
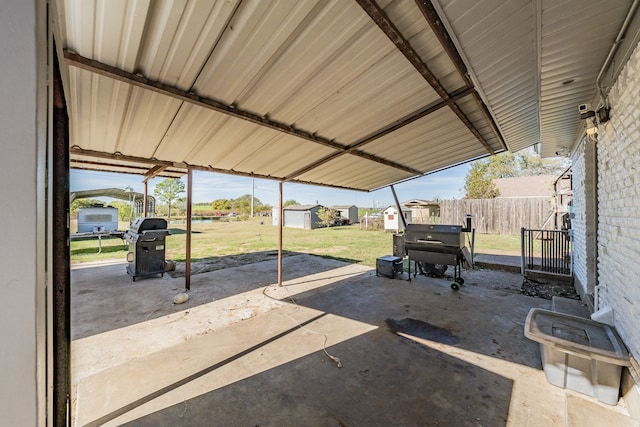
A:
{"points": [[387, 130], [437, 26], [140, 81], [384, 23], [143, 160]]}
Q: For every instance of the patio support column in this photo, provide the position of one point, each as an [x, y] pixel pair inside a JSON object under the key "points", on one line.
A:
{"points": [[144, 200], [280, 224], [187, 261], [400, 213]]}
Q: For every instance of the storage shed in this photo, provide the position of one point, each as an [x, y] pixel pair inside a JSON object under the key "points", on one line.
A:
{"points": [[392, 221], [302, 216], [423, 211], [347, 212], [97, 219]]}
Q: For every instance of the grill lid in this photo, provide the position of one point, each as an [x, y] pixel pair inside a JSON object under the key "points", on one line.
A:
{"points": [[145, 224]]}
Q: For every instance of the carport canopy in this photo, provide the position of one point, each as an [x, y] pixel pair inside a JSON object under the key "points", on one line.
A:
{"points": [[355, 94], [342, 94]]}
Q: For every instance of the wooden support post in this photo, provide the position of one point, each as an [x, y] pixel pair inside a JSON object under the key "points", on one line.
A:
{"points": [[187, 261], [280, 225]]}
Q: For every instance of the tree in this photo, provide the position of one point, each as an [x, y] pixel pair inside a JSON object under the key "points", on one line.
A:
{"points": [[327, 216], [479, 180], [221, 205], [124, 209], [168, 191], [290, 203]]}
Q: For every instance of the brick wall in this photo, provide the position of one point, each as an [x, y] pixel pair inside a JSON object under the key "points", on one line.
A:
{"points": [[619, 205], [583, 224], [578, 222]]}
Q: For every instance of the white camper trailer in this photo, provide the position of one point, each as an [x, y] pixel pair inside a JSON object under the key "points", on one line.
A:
{"points": [[97, 219]]}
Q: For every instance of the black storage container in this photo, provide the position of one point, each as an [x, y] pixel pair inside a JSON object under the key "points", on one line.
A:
{"points": [[146, 241], [389, 266]]}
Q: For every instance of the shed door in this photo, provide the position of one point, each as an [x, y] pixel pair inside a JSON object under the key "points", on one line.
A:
{"points": [[307, 220]]}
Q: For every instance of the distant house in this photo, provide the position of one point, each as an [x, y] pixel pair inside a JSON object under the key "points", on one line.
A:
{"points": [[526, 186], [348, 212], [392, 221], [423, 211], [302, 216]]}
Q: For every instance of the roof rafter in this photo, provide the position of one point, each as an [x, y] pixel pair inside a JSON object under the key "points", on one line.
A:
{"points": [[138, 80], [145, 161], [153, 172], [391, 31], [386, 130], [437, 26]]}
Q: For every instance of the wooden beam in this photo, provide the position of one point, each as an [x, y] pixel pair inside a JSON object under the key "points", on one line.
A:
{"points": [[140, 81], [391, 31], [153, 172]]}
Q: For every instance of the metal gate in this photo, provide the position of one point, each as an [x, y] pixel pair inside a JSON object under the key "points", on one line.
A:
{"points": [[547, 251]]}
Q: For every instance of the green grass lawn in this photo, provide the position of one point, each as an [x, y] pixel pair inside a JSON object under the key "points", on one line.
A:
{"points": [[347, 243]]}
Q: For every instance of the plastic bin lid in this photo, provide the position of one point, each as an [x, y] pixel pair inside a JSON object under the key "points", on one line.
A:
{"points": [[576, 335]]}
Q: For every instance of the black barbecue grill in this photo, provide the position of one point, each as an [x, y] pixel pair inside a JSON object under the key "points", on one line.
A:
{"points": [[146, 241], [432, 247]]}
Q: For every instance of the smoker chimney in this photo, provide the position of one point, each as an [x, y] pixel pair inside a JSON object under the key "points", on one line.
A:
{"points": [[467, 228]]}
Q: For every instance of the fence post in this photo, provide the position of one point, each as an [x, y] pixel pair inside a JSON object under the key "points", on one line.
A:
{"points": [[522, 250]]}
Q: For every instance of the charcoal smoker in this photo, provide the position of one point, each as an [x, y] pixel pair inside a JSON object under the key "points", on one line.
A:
{"points": [[146, 241], [432, 247]]}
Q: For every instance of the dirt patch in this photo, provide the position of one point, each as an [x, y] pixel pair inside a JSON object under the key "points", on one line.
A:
{"points": [[548, 290], [222, 262]]}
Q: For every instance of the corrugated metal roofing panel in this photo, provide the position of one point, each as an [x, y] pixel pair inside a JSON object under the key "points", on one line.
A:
{"points": [[570, 63], [355, 172], [313, 67], [521, 52]]}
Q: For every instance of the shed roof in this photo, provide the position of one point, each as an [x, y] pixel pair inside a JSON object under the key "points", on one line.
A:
{"points": [[420, 203], [114, 193], [526, 186], [300, 207]]}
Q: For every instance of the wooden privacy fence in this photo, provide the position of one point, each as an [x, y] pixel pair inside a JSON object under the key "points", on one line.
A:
{"points": [[498, 216]]}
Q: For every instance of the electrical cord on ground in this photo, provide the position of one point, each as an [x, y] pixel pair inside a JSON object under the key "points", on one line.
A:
{"points": [[297, 307]]}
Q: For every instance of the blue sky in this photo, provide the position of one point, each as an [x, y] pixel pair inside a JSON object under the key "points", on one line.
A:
{"points": [[209, 186]]}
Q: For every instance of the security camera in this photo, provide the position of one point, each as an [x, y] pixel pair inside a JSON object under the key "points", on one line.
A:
{"points": [[585, 112]]}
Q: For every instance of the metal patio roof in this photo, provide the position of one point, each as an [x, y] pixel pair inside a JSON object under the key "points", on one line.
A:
{"points": [[349, 94]]}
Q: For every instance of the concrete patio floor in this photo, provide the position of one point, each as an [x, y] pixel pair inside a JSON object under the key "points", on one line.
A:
{"points": [[241, 352]]}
